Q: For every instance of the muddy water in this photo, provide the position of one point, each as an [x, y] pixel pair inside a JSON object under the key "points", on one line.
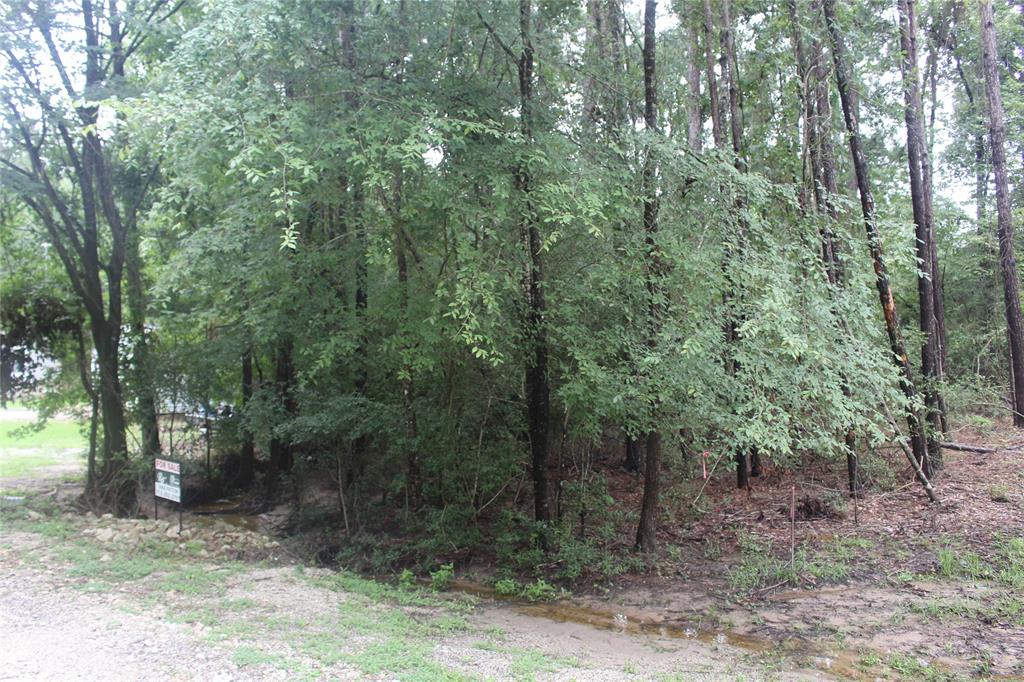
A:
{"points": [[654, 624], [226, 511]]}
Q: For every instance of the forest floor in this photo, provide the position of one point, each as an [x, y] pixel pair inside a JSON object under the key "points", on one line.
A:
{"points": [[895, 589]]}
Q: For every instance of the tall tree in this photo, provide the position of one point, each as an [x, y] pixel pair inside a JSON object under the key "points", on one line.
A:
{"points": [[538, 390], [90, 226], [820, 152], [920, 191], [919, 450], [646, 533], [1004, 216]]}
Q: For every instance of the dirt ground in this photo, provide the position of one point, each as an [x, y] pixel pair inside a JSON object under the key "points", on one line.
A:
{"points": [[62, 620]]}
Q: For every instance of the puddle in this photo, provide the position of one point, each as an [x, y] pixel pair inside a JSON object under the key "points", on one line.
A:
{"points": [[838, 664], [228, 511]]}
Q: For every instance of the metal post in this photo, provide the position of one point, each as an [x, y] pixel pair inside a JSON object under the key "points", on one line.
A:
{"points": [[179, 518]]}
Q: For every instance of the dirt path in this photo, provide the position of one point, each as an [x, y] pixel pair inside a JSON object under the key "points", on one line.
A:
{"points": [[73, 607]]}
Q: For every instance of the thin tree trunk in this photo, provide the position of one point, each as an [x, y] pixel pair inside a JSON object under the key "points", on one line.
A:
{"points": [[709, 55], [826, 190], [280, 448], [867, 202], [142, 362], [646, 533], [247, 466], [695, 120], [85, 376], [743, 474], [917, 162], [1007, 260], [537, 388]]}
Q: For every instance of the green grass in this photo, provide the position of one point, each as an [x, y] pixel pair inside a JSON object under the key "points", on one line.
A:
{"points": [[910, 668], [25, 450]]}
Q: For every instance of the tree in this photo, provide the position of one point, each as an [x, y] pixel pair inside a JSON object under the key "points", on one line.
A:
{"points": [[92, 226], [919, 454], [1004, 224], [646, 533]]}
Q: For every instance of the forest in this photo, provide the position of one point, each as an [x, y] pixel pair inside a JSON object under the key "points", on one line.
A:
{"points": [[437, 278]]}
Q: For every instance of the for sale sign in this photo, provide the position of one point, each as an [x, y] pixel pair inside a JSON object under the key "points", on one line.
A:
{"points": [[168, 480]]}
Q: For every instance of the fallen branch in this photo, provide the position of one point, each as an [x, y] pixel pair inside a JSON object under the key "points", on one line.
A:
{"points": [[960, 447], [981, 449], [918, 473]]}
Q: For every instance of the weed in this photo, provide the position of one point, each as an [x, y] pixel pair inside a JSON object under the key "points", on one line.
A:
{"points": [[443, 577], [507, 587], [407, 579], [999, 493], [540, 590]]}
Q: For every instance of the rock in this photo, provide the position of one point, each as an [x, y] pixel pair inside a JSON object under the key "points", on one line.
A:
{"points": [[33, 515], [172, 531], [107, 516], [105, 534], [105, 558]]}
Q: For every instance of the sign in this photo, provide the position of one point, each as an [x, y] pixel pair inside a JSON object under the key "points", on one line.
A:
{"points": [[168, 480]]}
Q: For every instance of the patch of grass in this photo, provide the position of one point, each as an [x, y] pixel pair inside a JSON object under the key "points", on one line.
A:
{"points": [[408, 660], [527, 665], [102, 570], [243, 604], [22, 434], [758, 567], [999, 493], [910, 668], [249, 656], [193, 580]]}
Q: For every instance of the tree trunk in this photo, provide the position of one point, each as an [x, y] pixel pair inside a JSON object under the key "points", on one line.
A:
{"points": [[709, 55], [85, 376], [743, 474], [867, 202], [538, 402], [694, 121], [632, 461], [142, 362], [646, 533], [280, 448], [1004, 216], [919, 190], [247, 465], [818, 125]]}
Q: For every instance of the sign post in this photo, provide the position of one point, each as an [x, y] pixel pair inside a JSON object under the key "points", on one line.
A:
{"points": [[168, 485]]}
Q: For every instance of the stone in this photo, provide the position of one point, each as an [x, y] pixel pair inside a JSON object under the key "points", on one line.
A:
{"points": [[172, 531], [33, 515], [105, 534]]}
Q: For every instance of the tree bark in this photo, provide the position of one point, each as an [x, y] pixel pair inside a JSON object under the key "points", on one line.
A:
{"points": [[1004, 217], [247, 465], [923, 242], [867, 202], [280, 448], [695, 121], [646, 533], [709, 56], [142, 362], [538, 411], [821, 152], [743, 473]]}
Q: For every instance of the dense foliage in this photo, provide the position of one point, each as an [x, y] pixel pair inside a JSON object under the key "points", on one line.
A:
{"points": [[325, 214]]}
